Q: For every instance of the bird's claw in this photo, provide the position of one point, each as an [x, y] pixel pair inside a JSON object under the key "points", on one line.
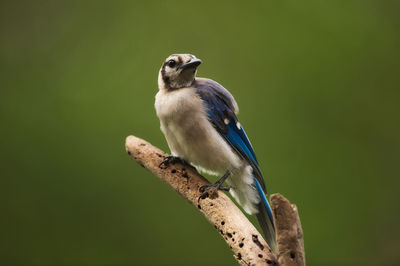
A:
{"points": [[170, 159], [207, 190]]}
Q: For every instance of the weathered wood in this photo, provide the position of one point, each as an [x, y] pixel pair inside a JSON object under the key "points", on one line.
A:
{"points": [[246, 243], [290, 243]]}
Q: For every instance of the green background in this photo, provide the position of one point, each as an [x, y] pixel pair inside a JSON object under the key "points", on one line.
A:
{"points": [[317, 83]]}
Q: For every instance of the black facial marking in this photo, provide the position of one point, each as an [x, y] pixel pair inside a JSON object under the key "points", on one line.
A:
{"points": [[163, 71], [164, 77]]}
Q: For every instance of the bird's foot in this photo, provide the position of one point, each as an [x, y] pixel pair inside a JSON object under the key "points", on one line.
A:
{"points": [[211, 190], [170, 159]]}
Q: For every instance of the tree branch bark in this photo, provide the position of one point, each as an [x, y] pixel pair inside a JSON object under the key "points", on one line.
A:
{"points": [[247, 244], [289, 234]]}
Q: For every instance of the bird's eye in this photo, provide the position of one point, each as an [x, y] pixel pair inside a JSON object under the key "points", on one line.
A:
{"points": [[171, 63]]}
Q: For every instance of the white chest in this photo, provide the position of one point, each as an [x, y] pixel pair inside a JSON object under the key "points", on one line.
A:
{"points": [[189, 133], [177, 105]]}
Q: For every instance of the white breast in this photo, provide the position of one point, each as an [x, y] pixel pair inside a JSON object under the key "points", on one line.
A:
{"points": [[190, 135]]}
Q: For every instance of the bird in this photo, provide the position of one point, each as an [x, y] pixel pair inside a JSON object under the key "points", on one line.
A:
{"points": [[198, 118]]}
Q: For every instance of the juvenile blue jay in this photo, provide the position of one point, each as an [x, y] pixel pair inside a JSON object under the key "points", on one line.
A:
{"points": [[198, 119]]}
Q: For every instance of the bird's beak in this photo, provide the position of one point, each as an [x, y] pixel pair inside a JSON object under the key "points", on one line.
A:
{"points": [[195, 62]]}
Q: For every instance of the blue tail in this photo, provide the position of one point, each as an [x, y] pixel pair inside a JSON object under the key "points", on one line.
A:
{"points": [[265, 218]]}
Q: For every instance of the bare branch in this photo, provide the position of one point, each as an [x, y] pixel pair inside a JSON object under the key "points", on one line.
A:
{"points": [[247, 244], [289, 232]]}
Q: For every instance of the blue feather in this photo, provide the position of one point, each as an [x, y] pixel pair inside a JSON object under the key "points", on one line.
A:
{"points": [[239, 139], [264, 199], [234, 135]]}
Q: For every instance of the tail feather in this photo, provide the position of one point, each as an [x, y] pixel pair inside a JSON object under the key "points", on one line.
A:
{"points": [[248, 192], [265, 218]]}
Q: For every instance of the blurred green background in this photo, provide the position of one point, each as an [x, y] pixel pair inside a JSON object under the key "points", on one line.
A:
{"points": [[317, 83]]}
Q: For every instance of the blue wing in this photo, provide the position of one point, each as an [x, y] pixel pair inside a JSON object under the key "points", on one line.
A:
{"points": [[220, 107]]}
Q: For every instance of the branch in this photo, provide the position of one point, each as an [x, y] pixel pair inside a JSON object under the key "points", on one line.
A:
{"points": [[247, 244], [288, 231]]}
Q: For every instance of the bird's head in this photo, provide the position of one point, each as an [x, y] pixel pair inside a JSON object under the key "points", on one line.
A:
{"points": [[178, 71]]}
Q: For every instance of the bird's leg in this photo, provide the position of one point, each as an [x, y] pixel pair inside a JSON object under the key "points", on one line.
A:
{"points": [[205, 189]]}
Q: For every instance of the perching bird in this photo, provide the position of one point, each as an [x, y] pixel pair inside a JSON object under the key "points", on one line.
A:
{"points": [[198, 119]]}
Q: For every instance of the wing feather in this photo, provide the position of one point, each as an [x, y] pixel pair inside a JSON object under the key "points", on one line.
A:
{"points": [[221, 110]]}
